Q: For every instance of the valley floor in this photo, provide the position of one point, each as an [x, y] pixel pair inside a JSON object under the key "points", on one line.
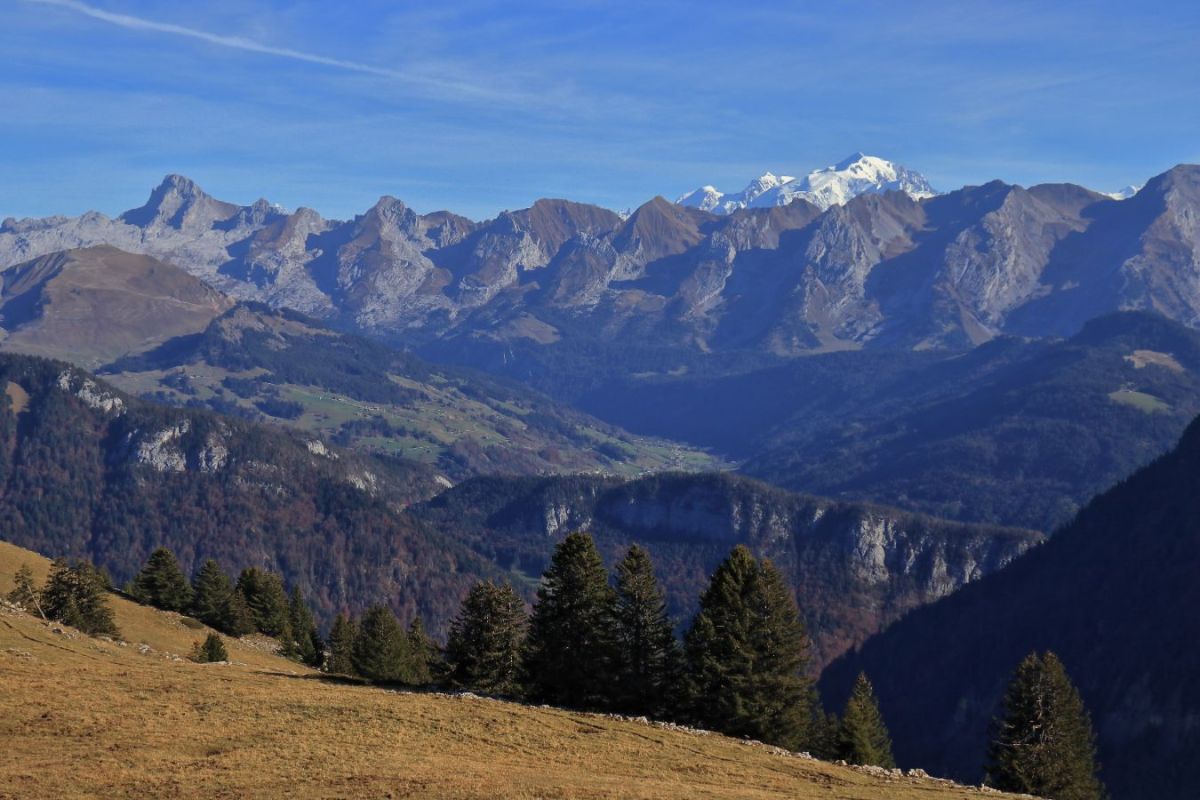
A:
{"points": [[81, 717]]}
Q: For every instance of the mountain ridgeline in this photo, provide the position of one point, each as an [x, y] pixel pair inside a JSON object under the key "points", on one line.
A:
{"points": [[880, 270], [89, 472]]}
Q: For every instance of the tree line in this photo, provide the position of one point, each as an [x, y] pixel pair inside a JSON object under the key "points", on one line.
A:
{"points": [[597, 642]]}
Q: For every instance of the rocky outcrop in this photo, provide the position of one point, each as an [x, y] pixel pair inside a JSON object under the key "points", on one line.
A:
{"points": [[855, 567]]}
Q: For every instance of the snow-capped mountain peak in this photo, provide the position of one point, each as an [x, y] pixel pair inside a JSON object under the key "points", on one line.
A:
{"points": [[833, 185], [1123, 194]]}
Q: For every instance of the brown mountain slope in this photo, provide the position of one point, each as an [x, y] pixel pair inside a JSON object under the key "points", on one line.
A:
{"points": [[83, 717], [98, 303]]}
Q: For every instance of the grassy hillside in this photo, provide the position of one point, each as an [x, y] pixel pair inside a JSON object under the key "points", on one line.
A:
{"points": [[283, 367], [82, 717]]}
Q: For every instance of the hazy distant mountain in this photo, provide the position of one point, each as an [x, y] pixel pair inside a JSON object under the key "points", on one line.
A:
{"points": [[830, 186], [880, 270], [95, 304]]}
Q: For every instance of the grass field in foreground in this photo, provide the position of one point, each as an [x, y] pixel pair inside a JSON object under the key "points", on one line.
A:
{"points": [[81, 717]]}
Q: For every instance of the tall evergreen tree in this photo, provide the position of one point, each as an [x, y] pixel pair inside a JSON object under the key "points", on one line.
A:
{"points": [[74, 594], [1045, 744], [569, 648], [268, 602], [862, 737], [162, 584], [24, 592], [483, 650], [211, 591], [239, 619], [747, 651], [426, 656], [341, 646], [647, 659], [306, 645], [381, 651]]}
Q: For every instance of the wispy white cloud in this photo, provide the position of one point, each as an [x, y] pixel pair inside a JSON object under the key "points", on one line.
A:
{"points": [[442, 86]]}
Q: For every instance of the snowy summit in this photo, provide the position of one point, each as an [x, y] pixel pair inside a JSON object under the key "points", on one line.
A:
{"points": [[833, 185]]}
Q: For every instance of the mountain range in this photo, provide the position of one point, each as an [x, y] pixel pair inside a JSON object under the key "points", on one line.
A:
{"points": [[833, 185], [881, 271]]}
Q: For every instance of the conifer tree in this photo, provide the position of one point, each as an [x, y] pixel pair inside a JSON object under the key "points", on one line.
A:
{"points": [[569, 649], [161, 583], [341, 646], [268, 602], [483, 649], [747, 651], [862, 737], [210, 651], [75, 595], [647, 658], [306, 645], [381, 651], [426, 656], [211, 591], [24, 592], [239, 619], [1045, 744]]}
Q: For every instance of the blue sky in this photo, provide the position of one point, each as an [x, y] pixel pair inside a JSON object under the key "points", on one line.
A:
{"points": [[478, 106]]}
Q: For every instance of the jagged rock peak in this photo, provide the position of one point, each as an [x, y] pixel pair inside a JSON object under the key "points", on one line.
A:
{"points": [[179, 202]]}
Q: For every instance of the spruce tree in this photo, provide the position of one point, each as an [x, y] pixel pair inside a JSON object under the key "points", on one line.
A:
{"points": [[210, 651], [74, 594], [24, 592], [211, 591], [862, 737], [569, 649], [747, 651], [239, 619], [381, 651], [426, 656], [1044, 745], [161, 583], [306, 645], [483, 649], [647, 659], [341, 646], [268, 602]]}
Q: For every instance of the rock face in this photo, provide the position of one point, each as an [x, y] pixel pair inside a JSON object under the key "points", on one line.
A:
{"points": [[817, 272], [856, 567]]}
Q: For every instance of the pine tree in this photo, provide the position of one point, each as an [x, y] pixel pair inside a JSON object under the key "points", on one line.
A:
{"points": [[341, 646], [268, 602], [306, 645], [863, 738], [1045, 744], [483, 650], [569, 649], [210, 651], [747, 651], [162, 584], [75, 595], [211, 591], [648, 661], [381, 651], [24, 592], [426, 656]]}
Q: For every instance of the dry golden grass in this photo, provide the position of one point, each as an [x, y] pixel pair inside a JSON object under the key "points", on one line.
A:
{"points": [[86, 718]]}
